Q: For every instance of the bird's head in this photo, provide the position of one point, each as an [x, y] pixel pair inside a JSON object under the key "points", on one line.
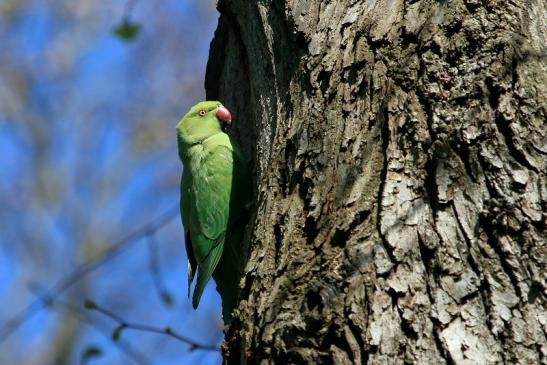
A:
{"points": [[202, 121]]}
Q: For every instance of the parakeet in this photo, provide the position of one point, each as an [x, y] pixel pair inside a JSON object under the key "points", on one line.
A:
{"points": [[213, 202]]}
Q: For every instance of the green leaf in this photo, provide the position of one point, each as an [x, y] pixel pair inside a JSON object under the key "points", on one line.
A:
{"points": [[89, 304], [117, 332], [91, 352], [126, 30]]}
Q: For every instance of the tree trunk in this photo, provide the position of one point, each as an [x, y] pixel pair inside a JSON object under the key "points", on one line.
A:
{"points": [[400, 153]]}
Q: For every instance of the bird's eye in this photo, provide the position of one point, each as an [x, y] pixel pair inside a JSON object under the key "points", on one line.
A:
{"points": [[202, 113]]}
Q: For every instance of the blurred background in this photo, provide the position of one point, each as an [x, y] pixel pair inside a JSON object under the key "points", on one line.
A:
{"points": [[88, 107]]}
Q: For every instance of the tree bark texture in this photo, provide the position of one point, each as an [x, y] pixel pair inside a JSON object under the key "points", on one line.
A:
{"points": [[399, 153]]}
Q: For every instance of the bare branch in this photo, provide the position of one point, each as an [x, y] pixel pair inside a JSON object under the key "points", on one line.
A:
{"points": [[62, 285], [123, 324], [137, 357]]}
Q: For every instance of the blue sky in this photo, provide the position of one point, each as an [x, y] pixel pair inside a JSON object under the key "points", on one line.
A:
{"points": [[88, 155]]}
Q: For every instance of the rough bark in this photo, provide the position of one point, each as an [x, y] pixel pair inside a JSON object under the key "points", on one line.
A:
{"points": [[400, 156]]}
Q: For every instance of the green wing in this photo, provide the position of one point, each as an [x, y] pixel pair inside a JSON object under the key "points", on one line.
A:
{"points": [[229, 269], [206, 188]]}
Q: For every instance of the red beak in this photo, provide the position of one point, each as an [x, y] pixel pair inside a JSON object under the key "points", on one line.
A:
{"points": [[224, 115]]}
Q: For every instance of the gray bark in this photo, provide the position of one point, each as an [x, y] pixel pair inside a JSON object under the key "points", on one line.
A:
{"points": [[400, 153]]}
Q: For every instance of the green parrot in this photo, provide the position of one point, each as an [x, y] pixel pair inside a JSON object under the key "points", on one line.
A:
{"points": [[213, 202]]}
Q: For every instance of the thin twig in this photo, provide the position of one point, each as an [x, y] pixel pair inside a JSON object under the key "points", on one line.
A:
{"points": [[128, 8], [83, 317], [154, 265], [123, 324], [62, 285]]}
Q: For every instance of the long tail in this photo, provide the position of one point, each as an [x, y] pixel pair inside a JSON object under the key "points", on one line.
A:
{"points": [[205, 270]]}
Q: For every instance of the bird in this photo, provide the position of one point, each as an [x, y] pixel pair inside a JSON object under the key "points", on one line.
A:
{"points": [[214, 201]]}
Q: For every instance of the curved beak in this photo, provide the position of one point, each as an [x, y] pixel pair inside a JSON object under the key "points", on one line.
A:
{"points": [[224, 115]]}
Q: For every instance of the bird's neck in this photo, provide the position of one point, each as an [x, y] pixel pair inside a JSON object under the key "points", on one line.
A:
{"points": [[188, 146]]}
